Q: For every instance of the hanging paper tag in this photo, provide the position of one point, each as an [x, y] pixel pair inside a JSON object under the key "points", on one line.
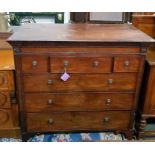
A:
{"points": [[65, 76]]}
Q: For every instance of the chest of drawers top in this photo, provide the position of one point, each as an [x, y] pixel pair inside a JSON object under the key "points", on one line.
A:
{"points": [[79, 33]]}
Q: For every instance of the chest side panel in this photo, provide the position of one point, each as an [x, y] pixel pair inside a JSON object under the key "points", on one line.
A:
{"points": [[151, 95]]}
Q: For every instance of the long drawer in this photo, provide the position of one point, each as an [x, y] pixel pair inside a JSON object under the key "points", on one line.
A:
{"points": [[81, 82], [80, 101], [64, 121]]}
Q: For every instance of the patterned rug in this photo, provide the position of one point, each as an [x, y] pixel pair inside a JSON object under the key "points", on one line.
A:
{"points": [[71, 137]]}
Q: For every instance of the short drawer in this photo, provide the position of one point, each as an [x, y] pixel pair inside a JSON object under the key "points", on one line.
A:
{"points": [[4, 100], [6, 80], [80, 82], [34, 64], [127, 63], [81, 64], [79, 101], [6, 120], [75, 121]]}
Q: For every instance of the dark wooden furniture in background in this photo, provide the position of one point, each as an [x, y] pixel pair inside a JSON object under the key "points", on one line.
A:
{"points": [[105, 64], [79, 17], [147, 111], [145, 22], [9, 126], [85, 17]]}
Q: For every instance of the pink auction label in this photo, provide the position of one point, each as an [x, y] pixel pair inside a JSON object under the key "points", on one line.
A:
{"points": [[65, 76]]}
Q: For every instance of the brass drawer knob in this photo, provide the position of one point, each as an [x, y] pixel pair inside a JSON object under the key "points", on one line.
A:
{"points": [[50, 101], [106, 120], [110, 81], [95, 63], [66, 63], [49, 82], [34, 63], [50, 121], [126, 63], [108, 101]]}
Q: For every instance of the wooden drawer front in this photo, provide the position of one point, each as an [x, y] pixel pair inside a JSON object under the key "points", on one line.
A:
{"points": [[127, 64], [5, 118], [34, 64], [80, 82], [81, 65], [6, 80], [60, 121], [4, 100], [79, 101]]}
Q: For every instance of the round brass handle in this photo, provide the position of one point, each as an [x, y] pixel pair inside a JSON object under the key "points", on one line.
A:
{"points": [[106, 120], [50, 101], [108, 101], [50, 121], [34, 63], [95, 63], [49, 82], [126, 63], [66, 63], [110, 81]]}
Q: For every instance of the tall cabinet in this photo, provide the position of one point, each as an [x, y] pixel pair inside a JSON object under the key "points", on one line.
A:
{"points": [[147, 109], [8, 108], [146, 118]]}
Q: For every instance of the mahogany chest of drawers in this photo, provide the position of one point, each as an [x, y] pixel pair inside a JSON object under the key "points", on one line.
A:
{"points": [[9, 126], [105, 64]]}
